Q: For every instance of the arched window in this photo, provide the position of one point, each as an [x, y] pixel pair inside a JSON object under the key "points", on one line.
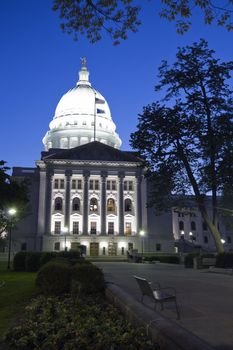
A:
{"points": [[76, 204], [181, 225], [58, 203], [93, 205], [128, 205], [111, 207], [193, 226]]}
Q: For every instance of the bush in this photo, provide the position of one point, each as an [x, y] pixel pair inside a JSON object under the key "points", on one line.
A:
{"points": [[19, 261], [71, 254], [32, 261], [62, 323], [188, 260], [87, 279], [169, 259], [224, 260], [54, 278], [46, 257]]}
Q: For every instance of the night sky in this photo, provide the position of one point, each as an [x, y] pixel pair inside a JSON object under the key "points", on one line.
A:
{"points": [[39, 64]]}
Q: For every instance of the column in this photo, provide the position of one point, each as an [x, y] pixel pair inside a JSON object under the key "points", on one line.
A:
{"points": [[85, 202], [121, 203], [138, 203], [103, 203], [67, 199], [48, 206], [41, 206]]}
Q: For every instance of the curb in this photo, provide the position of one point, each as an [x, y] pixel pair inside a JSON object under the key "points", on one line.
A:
{"points": [[167, 334]]}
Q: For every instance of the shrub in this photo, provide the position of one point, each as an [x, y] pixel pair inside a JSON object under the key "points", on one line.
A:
{"points": [[71, 254], [54, 278], [170, 259], [32, 261], [19, 261], [46, 257], [87, 279], [62, 323], [224, 260]]}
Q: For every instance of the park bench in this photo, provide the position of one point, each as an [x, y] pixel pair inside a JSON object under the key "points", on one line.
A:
{"points": [[158, 295]]}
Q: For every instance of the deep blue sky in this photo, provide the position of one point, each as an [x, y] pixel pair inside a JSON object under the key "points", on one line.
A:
{"points": [[39, 64]]}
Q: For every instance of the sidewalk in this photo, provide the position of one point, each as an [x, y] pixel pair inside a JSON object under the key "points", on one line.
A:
{"points": [[205, 299]]}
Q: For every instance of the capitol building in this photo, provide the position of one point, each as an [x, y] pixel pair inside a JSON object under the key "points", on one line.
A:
{"points": [[85, 191]]}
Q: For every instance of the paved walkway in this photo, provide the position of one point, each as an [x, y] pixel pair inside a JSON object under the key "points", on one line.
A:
{"points": [[205, 299]]}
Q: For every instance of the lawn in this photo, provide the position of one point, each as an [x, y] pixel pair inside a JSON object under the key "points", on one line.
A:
{"points": [[16, 292]]}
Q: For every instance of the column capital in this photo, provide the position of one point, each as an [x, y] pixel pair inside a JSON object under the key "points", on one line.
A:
{"points": [[104, 175], [86, 174], [121, 175], [68, 173]]}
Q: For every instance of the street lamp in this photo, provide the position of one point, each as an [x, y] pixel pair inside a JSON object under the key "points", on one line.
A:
{"points": [[223, 241], [11, 213], [182, 237], [142, 234], [191, 236], [65, 230]]}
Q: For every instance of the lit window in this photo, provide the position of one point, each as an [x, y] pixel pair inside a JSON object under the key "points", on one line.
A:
{"points": [[128, 228], [73, 184], [128, 185], [56, 183], [79, 184], [93, 205], [111, 205], [94, 185]]}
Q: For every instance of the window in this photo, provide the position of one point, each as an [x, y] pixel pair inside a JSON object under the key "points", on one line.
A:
{"points": [[128, 185], [57, 227], [229, 239], [57, 246], [104, 251], [58, 204], [24, 246], [93, 205], [130, 246], [111, 205], [206, 239], [181, 225], [93, 228], [128, 205], [111, 185], [204, 226], [76, 184], [122, 250], [128, 229], [111, 228], [59, 183], [158, 247], [94, 185], [75, 228], [192, 215], [193, 226], [76, 204]]}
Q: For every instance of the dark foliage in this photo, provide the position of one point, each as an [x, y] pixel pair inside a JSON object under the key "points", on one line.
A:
{"points": [[19, 261], [224, 260]]}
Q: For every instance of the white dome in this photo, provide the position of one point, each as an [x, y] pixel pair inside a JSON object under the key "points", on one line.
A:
{"points": [[82, 115]]}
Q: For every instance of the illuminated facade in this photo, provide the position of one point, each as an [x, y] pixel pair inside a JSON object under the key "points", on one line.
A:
{"points": [[86, 192]]}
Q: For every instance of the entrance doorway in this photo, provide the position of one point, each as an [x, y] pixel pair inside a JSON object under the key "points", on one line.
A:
{"points": [[94, 249], [112, 249]]}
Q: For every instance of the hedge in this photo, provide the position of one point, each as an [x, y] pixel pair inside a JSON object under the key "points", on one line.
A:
{"points": [[224, 260], [170, 259]]}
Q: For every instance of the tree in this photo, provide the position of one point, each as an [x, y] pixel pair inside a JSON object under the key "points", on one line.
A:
{"points": [[187, 139], [118, 17], [12, 194]]}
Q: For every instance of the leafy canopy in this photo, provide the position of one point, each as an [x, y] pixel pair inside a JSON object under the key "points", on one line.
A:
{"points": [[119, 17], [187, 138]]}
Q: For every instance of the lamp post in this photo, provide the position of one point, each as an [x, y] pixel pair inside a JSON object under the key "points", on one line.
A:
{"points": [[65, 230], [182, 237], [11, 213], [191, 236], [142, 234]]}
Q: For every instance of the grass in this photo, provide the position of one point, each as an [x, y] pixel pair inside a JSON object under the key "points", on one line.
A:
{"points": [[14, 295]]}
